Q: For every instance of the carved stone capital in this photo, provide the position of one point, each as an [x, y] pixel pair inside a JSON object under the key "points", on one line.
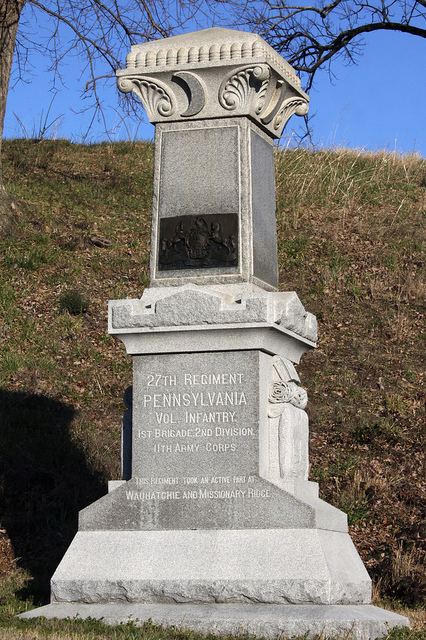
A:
{"points": [[215, 73]]}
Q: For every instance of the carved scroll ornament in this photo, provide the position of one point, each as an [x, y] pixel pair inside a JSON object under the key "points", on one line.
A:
{"points": [[286, 389], [156, 97], [254, 83], [288, 424], [290, 106]]}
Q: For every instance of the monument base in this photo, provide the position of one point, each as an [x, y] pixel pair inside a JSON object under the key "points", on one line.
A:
{"points": [[270, 566], [354, 622]]}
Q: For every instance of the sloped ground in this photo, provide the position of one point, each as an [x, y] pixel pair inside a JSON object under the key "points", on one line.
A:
{"points": [[351, 240], [352, 244]]}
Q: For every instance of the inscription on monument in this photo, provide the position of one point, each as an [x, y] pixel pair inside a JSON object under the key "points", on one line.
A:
{"points": [[198, 242], [196, 435]]}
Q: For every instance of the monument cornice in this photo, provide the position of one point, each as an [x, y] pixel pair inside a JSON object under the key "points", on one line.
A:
{"points": [[190, 306], [221, 73], [225, 318]]}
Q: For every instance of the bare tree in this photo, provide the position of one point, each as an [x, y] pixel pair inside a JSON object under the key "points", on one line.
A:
{"points": [[9, 21], [94, 36], [313, 36]]}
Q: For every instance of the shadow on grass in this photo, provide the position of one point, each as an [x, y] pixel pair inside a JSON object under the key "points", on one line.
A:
{"points": [[45, 481]]}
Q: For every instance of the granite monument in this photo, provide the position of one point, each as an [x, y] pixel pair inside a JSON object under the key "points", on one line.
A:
{"points": [[215, 525]]}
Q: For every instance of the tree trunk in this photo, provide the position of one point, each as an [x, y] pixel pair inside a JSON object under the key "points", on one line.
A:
{"points": [[10, 11]]}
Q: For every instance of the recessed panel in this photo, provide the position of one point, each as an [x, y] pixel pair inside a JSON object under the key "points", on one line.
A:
{"points": [[199, 172]]}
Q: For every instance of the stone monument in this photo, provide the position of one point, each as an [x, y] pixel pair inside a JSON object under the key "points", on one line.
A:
{"points": [[215, 526]]}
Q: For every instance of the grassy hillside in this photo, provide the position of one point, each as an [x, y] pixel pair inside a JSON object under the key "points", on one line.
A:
{"points": [[351, 242]]}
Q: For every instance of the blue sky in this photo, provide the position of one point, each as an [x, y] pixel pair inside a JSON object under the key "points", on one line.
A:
{"points": [[378, 104]]}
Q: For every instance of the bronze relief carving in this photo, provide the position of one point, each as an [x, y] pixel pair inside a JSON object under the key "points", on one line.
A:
{"points": [[198, 242]]}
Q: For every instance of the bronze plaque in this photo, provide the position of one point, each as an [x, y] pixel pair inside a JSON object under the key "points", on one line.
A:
{"points": [[198, 242]]}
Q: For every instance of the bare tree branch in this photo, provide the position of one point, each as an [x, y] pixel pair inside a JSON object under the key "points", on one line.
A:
{"points": [[312, 36]]}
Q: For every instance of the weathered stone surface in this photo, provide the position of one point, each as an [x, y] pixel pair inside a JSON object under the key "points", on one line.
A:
{"points": [[218, 98], [131, 507], [264, 208], [230, 338], [190, 305], [357, 622], [206, 453], [224, 566], [207, 160]]}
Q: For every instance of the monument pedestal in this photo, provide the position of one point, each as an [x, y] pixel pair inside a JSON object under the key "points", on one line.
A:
{"points": [[219, 528], [219, 507]]}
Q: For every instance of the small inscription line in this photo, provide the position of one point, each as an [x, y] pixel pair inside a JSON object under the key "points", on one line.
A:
{"points": [[198, 399], [194, 379], [195, 494], [197, 432]]}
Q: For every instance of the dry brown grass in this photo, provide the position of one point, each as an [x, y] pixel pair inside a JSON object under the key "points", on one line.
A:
{"points": [[352, 240], [417, 618], [347, 180]]}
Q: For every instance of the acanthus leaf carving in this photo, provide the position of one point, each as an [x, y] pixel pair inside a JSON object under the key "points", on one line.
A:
{"points": [[289, 107], [156, 97], [236, 90]]}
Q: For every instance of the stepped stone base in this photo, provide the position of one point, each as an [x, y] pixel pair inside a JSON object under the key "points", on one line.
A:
{"points": [[275, 566], [354, 622]]}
